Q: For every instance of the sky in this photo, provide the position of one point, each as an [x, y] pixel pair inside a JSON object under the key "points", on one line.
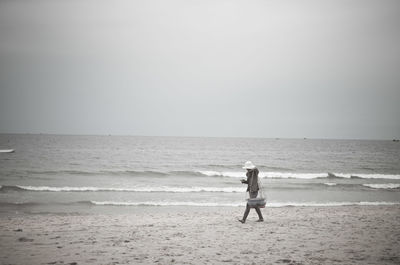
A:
{"points": [[281, 68]]}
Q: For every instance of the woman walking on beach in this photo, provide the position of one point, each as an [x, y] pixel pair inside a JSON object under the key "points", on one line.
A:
{"points": [[252, 188]]}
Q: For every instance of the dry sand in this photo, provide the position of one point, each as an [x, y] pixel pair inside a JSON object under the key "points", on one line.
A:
{"points": [[290, 235]]}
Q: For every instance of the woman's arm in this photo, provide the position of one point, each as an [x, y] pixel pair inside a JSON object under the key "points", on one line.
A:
{"points": [[246, 180]]}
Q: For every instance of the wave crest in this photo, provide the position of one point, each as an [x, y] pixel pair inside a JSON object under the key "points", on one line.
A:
{"points": [[213, 173], [241, 204], [383, 186], [133, 189], [291, 175]]}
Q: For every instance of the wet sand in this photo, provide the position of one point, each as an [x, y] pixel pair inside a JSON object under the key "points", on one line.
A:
{"points": [[166, 235]]}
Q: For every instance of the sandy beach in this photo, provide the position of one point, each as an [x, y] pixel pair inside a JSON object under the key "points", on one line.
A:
{"points": [[166, 235]]}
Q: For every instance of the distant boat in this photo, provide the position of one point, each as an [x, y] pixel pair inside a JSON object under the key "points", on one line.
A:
{"points": [[7, 150]]}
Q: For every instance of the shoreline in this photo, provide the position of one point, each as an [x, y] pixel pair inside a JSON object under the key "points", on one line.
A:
{"points": [[108, 208], [204, 235]]}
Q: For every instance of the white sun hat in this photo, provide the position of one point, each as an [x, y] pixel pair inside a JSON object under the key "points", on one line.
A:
{"points": [[249, 165]]}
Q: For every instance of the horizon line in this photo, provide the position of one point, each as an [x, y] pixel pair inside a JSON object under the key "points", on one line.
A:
{"points": [[198, 136]]}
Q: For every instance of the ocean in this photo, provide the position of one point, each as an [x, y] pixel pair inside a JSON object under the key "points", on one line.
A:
{"points": [[60, 173]]}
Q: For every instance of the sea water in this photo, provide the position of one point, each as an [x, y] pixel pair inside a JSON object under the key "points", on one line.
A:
{"points": [[86, 173]]}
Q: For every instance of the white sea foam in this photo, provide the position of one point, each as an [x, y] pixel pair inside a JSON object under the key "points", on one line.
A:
{"points": [[284, 175], [55, 189], [241, 204], [330, 184], [287, 175], [135, 189], [330, 204], [164, 203], [224, 174], [383, 186], [367, 176]]}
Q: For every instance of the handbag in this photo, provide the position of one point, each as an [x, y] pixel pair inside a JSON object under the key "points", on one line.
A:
{"points": [[256, 202]]}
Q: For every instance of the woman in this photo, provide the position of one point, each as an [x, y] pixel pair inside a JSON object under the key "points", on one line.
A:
{"points": [[252, 188]]}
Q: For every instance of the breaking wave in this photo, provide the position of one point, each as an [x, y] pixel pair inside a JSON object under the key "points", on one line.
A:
{"points": [[163, 203], [211, 173], [383, 186], [290, 175], [201, 204], [133, 189], [241, 204]]}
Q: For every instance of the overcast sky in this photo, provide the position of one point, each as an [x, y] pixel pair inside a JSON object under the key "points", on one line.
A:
{"points": [[316, 69]]}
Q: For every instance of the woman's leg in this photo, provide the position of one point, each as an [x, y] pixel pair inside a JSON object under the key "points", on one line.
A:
{"points": [[254, 195], [246, 213], [260, 217]]}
